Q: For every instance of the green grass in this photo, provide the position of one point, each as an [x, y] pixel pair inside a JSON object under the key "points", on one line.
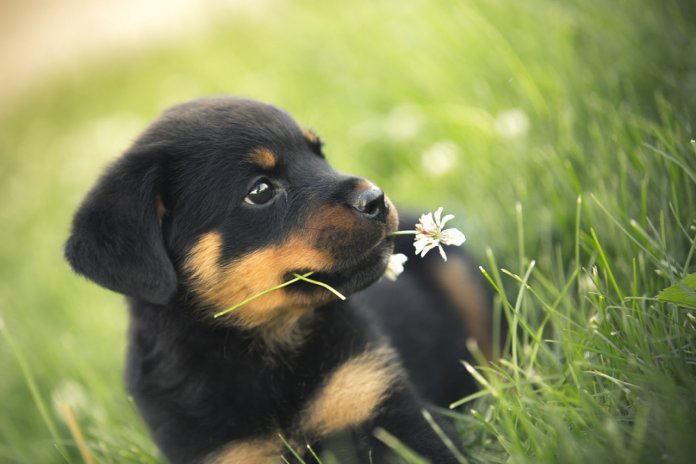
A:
{"points": [[580, 204]]}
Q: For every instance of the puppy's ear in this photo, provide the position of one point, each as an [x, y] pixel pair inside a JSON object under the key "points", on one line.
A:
{"points": [[116, 238]]}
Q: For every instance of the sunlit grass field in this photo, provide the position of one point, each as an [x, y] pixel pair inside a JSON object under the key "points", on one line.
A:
{"points": [[559, 133]]}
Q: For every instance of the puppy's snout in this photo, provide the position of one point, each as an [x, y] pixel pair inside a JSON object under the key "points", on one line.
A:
{"points": [[370, 203]]}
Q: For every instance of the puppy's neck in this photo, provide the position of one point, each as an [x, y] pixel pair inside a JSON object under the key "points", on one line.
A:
{"points": [[274, 329], [285, 333]]}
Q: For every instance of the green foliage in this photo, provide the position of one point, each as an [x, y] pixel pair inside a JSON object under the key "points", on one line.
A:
{"points": [[559, 132], [682, 293]]}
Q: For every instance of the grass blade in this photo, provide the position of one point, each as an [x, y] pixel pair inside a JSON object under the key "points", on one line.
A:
{"points": [[33, 389]]}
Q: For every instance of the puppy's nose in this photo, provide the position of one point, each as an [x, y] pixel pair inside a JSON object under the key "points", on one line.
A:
{"points": [[370, 203]]}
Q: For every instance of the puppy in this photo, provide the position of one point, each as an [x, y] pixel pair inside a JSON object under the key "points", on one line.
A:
{"points": [[223, 198]]}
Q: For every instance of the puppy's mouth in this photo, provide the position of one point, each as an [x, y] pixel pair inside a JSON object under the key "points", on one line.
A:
{"points": [[351, 276], [360, 256]]}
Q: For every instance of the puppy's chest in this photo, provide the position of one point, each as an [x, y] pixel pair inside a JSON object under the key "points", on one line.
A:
{"points": [[306, 403], [316, 394], [246, 398]]}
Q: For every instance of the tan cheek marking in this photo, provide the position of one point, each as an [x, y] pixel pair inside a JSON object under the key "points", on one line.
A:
{"points": [[465, 292], [264, 157], [258, 450], [223, 286], [352, 394], [203, 258]]}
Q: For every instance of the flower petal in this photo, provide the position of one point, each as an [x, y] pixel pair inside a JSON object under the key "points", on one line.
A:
{"points": [[426, 223], [420, 243], [424, 245], [453, 237], [395, 266], [428, 248], [430, 233], [445, 220], [442, 253], [438, 213]]}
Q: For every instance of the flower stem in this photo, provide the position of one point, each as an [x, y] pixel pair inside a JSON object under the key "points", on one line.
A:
{"points": [[268, 290], [321, 284], [403, 232]]}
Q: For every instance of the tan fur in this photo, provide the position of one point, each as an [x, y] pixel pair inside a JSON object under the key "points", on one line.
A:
{"points": [[264, 158], [224, 285], [257, 450], [276, 314], [392, 215], [364, 184], [310, 135], [352, 394], [336, 217], [466, 294]]}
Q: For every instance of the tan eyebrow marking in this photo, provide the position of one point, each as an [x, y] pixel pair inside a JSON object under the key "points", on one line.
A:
{"points": [[264, 158], [310, 135]]}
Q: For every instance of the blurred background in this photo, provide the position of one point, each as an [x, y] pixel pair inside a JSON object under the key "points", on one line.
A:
{"points": [[505, 112]]}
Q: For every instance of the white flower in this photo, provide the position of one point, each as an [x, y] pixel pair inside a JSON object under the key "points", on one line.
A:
{"points": [[440, 158], [512, 123], [71, 393], [403, 122], [429, 234], [395, 266]]}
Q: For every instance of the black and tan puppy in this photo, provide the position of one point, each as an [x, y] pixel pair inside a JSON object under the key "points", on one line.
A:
{"points": [[223, 198]]}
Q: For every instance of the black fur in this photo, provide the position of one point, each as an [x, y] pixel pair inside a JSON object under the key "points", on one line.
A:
{"points": [[201, 384]]}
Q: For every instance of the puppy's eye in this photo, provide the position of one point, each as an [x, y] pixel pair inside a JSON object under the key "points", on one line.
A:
{"points": [[260, 193]]}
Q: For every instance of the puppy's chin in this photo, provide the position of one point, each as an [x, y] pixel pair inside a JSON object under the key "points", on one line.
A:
{"points": [[352, 276]]}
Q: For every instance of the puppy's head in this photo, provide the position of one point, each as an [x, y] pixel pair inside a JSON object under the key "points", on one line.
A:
{"points": [[223, 198]]}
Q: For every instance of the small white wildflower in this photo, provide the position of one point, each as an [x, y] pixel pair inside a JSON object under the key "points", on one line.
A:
{"points": [[440, 158], [69, 392], [430, 233], [594, 320], [512, 123], [404, 122], [395, 266]]}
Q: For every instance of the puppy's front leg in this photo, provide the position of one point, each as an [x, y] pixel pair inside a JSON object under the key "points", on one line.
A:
{"points": [[367, 391], [401, 416]]}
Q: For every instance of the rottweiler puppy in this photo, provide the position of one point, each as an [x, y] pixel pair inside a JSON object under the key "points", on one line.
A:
{"points": [[223, 198]]}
